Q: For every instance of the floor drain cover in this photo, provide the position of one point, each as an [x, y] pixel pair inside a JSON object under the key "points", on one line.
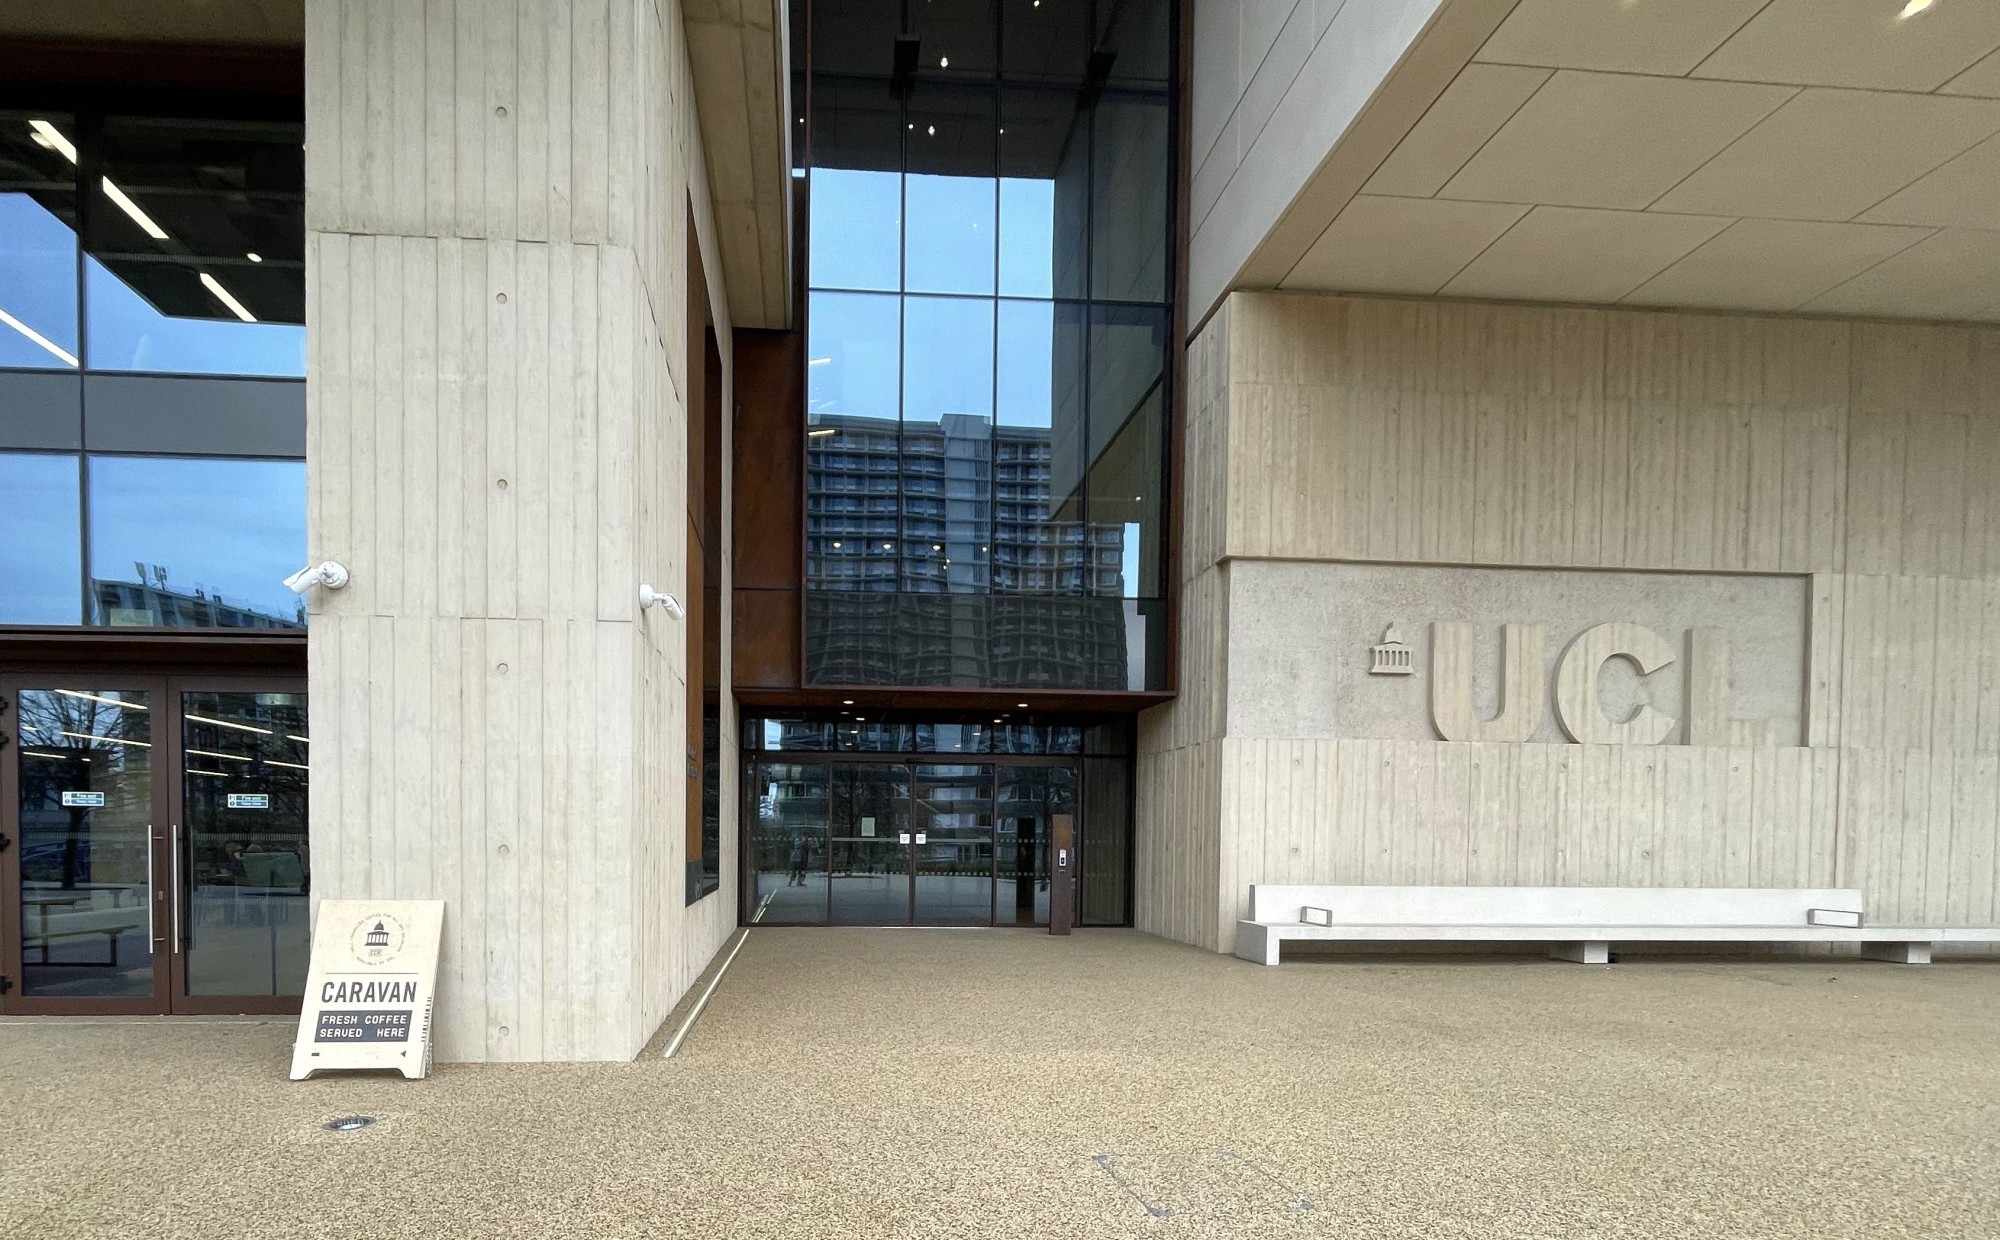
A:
{"points": [[350, 1123]]}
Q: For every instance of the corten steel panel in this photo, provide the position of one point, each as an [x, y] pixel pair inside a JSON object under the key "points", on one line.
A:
{"points": [[769, 520], [766, 636], [770, 459]]}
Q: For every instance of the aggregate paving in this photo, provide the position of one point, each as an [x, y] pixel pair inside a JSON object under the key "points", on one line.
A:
{"points": [[881, 1083]]}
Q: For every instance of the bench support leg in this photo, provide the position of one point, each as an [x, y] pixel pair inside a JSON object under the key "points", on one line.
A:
{"points": [[1588, 952], [1257, 943], [1897, 953]]}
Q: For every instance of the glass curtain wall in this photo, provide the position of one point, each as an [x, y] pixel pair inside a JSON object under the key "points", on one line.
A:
{"points": [[152, 308], [990, 284]]}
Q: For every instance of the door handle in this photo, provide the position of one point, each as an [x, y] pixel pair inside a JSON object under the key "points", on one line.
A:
{"points": [[176, 891], [152, 892]]}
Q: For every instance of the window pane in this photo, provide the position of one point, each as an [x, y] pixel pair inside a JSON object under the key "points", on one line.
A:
{"points": [[856, 217], [37, 241], [177, 542], [854, 355], [1128, 435], [197, 244], [947, 443], [947, 359], [41, 547], [1129, 195], [949, 238]]}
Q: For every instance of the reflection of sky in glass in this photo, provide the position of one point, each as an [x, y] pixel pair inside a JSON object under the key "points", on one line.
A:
{"points": [[857, 219], [40, 546], [948, 244], [947, 357], [1027, 362], [37, 283], [853, 355], [948, 239], [234, 528], [127, 333]]}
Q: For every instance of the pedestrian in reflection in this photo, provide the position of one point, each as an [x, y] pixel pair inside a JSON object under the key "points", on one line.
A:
{"points": [[797, 860]]}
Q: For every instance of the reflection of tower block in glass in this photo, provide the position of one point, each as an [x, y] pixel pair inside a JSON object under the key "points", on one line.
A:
{"points": [[1391, 657], [378, 938]]}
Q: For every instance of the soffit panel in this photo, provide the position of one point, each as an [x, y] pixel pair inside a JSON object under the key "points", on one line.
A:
{"points": [[1964, 193], [1981, 79], [1402, 245], [1577, 254], [1857, 43], [1949, 275], [1478, 102], [1773, 264], [245, 23], [1610, 140], [1832, 154], [1670, 38]]}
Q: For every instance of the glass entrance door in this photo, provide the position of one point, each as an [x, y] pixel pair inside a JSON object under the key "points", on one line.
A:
{"points": [[156, 856], [873, 843], [82, 887]]}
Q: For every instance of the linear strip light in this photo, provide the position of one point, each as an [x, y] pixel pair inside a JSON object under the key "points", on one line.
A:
{"points": [[109, 740], [49, 136], [43, 753], [224, 723], [68, 357], [131, 208], [218, 774], [303, 740], [297, 766], [224, 296], [226, 757], [92, 697]]}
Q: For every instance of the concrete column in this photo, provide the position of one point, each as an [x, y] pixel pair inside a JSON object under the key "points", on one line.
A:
{"points": [[496, 202]]}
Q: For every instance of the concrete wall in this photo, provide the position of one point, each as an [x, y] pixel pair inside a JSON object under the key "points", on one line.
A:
{"points": [[1849, 459], [496, 213]]}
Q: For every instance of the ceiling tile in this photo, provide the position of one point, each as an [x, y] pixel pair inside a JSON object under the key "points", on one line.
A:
{"points": [[1981, 79], [1667, 38], [1773, 264], [1610, 140], [1832, 154], [1400, 245], [1569, 254], [1475, 105], [1952, 275], [1858, 43], [1965, 193]]}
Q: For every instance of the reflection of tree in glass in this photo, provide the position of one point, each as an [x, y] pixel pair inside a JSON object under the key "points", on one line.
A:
{"points": [[73, 741]]}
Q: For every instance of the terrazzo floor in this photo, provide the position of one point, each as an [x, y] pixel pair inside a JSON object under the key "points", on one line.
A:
{"points": [[870, 1083]]}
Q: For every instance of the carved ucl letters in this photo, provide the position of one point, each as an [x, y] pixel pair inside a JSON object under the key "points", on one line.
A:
{"points": [[1579, 707]]}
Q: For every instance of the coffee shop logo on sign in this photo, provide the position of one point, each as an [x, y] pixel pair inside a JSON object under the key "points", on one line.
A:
{"points": [[1579, 705]]}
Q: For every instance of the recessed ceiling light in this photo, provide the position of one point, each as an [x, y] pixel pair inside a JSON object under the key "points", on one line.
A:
{"points": [[836, 544], [931, 130], [847, 701], [1915, 7], [1022, 705], [254, 257], [944, 62]]}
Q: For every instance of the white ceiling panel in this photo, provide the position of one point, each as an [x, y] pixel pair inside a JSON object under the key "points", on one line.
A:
{"points": [[1832, 154], [1981, 79], [1572, 254], [1964, 193], [1669, 37], [1858, 43], [1951, 275], [1773, 264], [1471, 110], [1611, 140], [1400, 245]]}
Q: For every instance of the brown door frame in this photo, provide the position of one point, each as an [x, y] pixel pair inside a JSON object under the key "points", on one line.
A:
{"points": [[180, 1002], [165, 760], [171, 882], [909, 762]]}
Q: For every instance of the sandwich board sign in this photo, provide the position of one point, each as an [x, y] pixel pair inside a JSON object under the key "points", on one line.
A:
{"points": [[370, 987]]}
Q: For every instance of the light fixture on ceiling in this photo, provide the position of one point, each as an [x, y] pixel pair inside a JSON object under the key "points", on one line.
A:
{"points": [[224, 723], [92, 697], [931, 130], [1915, 7], [944, 62], [847, 701], [303, 740], [819, 361], [821, 432], [139, 217], [224, 296], [112, 740], [226, 757], [888, 546], [937, 546], [254, 257], [1022, 705], [296, 766], [68, 358]]}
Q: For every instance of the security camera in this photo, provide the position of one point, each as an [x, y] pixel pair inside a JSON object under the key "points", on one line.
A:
{"points": [[649, 597], [330, 573]]}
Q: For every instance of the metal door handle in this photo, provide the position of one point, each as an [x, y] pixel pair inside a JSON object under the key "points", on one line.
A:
{"points": [[176, 891], [152, 893]]}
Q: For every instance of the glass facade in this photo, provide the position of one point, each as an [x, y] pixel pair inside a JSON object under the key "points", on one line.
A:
{"points": [[158, 264], [989, 318]]}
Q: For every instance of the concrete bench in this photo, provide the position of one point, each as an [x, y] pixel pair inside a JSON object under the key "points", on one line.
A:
{"points": [[1578, 923]]}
